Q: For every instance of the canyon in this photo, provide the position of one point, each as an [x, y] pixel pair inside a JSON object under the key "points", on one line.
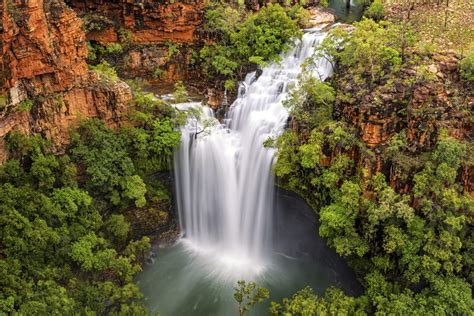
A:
{"points": [[44, 60], [190, 153]]}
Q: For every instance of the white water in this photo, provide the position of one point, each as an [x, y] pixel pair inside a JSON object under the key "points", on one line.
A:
{"points": [[224, 181]]}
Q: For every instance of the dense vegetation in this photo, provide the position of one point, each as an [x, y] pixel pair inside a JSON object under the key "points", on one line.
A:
{"points": [[412, 248], [73, 226], [244, 39]]}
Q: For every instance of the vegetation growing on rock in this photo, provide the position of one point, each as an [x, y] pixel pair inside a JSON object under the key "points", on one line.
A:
{"points": [[410, 243]]}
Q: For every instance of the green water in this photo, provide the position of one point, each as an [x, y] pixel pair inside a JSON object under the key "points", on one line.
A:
{"points": [[344, 14], [183, 282]]}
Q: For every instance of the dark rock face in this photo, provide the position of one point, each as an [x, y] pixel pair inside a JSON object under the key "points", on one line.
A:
{"points": [[420, 107]]}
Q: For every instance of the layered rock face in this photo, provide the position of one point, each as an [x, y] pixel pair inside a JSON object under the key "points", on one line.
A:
{"points": [[150, 27], [46, 86], [150, 22], [421, 108]]}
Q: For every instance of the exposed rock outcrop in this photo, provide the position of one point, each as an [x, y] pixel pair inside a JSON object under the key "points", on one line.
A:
{"points": [[320, 18], [150, 22], [422, 100], [45, 82]]}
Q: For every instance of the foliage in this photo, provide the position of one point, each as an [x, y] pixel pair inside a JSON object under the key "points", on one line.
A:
{"points": [[114, 49], [125, 37], [54, 259], [105, 71], [242, 39], [158, 73], [372, 51], [25, 105], [311, 101], [410, 242], [173, 49], [72, 225], [300, 14], [467, 66], [375, 11], [3, 101], [91, 52], [264, 35], [247, 295], [180, 94], [306, 302]]}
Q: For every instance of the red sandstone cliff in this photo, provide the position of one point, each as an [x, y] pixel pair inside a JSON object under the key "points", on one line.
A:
{"points": [[43, 64], [150, 22]]}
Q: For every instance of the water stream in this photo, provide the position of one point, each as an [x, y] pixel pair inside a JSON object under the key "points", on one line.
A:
{"points": [[232, 223], [223, 175]]}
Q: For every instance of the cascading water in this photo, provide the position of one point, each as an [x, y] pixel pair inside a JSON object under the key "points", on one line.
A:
{"points": [[224, 181]]}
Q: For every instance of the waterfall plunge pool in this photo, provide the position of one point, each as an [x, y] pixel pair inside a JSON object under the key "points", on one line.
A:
{"points": [[187, 280]]}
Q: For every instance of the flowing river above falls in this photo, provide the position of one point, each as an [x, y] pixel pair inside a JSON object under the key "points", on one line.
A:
{"points": [[235, 224]]}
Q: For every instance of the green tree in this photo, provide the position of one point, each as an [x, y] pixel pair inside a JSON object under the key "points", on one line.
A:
{"points": [[180, 94], [375, 11], [247, 295]]}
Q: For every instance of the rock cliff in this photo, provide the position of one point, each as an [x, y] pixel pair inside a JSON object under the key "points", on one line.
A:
{"points": [[418, 103], [147, 29], [150, 22], [45, 83]]}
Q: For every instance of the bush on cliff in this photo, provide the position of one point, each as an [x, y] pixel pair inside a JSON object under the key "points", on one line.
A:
{"points": [[467, 66], [242, 39], [375, 11]]}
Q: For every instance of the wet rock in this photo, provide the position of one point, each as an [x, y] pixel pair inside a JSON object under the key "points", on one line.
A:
{"points": [[320, 18]]}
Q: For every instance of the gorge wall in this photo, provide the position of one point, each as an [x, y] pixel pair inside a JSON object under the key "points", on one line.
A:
{"points": [[418, 104], [46, 86], [147, 29]]}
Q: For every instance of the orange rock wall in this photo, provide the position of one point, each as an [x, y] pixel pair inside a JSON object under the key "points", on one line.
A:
{"points": [[44, 61], [150, 22]]}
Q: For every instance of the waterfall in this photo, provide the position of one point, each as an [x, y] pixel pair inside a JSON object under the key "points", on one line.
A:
{"points": [[224, 181]]}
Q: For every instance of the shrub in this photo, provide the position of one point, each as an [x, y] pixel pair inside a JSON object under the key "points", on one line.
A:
{"points": [[375, 11], [3, 101], [158, 73], [255, 39], [180, 94], [91, 52], [114, 49], [467, 66], [173, 49], [25, 105], [105, 71], [125, 37], [297, 12]]}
